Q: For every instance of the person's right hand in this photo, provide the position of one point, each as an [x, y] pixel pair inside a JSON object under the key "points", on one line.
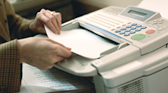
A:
{"points": [[42, 53]]}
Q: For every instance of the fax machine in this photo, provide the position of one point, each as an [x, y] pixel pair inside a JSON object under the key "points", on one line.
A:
{"points": [[139, 61]]}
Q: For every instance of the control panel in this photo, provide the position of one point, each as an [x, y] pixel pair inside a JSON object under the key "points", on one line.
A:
{"points": [[143, 28]]}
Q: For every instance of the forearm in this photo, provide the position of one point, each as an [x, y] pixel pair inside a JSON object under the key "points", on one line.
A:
{"points": [[10, 73], [18, 26], [20, 29]]}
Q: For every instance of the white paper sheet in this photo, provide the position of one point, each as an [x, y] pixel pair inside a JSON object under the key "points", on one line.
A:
{"points": [[37, 81], [82, 42], [156, 5]]}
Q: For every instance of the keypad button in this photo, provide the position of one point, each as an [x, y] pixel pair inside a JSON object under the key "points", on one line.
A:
{"points": [[160, 22], [160, 29], [123, 28], [134, 24], [150, 31], [138, 25], [138, 29], [126, 34], [138, 36], [155, 22], [155, 26], [132, 32], [129, 26], [122, 32], [133, 28], [118, 27], [123, 24], [144, 27], [127, 30], [113, 29], [117, 31], [129, 23]]}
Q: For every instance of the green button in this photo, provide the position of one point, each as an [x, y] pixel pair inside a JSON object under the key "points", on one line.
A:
{"points": [[138, 36]]}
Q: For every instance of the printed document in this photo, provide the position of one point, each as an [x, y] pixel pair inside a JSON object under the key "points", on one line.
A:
{"points": [[53, 80]]}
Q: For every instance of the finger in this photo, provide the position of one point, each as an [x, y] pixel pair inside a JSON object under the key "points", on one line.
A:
{"points": [[58, 19], [58, 59], [53, 20], [63, 52], [49, 24], [57, 16], [46, 21], [58, 44]]}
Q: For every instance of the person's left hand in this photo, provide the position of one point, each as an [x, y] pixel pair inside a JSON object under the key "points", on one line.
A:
{"points": [[46, 17]]}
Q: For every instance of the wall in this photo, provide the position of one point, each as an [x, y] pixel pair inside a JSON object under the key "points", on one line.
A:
{"points": [[103, 3], [29, 8], [82, 7]]}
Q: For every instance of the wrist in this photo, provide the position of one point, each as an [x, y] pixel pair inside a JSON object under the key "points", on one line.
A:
{"points": [[31, 26]]}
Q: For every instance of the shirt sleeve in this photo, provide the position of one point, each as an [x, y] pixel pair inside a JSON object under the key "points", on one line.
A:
{"points": [[10, 67], [18, 26]]}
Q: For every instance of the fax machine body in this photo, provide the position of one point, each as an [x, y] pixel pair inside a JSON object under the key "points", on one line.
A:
{"points": [[138, 34]]}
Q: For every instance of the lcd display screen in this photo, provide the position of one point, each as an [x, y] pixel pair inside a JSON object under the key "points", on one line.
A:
{"points": [[137, 13]]}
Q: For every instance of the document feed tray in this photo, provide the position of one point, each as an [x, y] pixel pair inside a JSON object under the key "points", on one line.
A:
{"points": [[82, 41], [86, 47]]}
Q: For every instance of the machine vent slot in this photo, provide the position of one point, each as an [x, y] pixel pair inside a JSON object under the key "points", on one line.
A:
{"points": [[133, 87]]}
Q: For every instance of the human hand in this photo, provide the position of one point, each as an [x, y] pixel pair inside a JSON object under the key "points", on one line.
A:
{"points": [[44, 17], [42, 53]]}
